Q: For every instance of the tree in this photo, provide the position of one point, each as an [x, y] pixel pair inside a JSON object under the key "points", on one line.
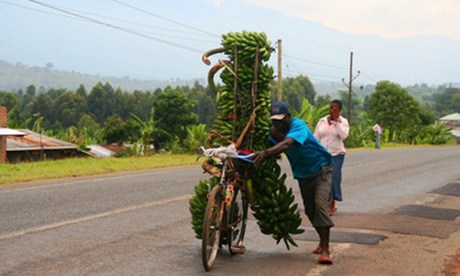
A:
{"points": [[8, 100], [44, 106], [205, 106], [81, 91], [114, 130], [296, 89], [196, 137], [148, 131], [89, 131], [27, 102], [448, 101], [69, 108], [357, 108], [87, 121], [96, 103], [393, 107], [174, 112]]}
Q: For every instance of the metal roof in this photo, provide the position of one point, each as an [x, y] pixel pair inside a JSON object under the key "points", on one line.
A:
{"points": [[10, 132], [100, 151], [35, 141], [451, 117]]}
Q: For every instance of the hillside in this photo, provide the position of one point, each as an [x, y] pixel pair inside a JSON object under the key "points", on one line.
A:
{"points": [[19, 76]]}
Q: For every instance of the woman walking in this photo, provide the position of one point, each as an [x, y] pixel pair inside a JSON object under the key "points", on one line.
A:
{"points": [[331, 131]]}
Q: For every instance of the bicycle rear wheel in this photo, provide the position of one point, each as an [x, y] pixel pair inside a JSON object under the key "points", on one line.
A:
{"points": [[237, 217], [212, 227]]}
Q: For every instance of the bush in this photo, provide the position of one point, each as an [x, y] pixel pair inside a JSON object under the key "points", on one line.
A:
{"points": [[359, 136]]}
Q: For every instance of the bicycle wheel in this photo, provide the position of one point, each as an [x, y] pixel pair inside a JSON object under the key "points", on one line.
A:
{"points": [[237, 217], [212, 228]]}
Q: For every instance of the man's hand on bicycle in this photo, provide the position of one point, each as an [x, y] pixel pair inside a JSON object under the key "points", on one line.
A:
{"points": [[258, 157]]}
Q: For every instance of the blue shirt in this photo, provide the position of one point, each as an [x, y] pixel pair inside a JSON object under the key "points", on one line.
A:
{"points": [[306, 155]]}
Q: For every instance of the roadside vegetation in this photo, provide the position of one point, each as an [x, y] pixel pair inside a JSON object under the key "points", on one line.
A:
{"points": [[165, 127], [76, 167]]}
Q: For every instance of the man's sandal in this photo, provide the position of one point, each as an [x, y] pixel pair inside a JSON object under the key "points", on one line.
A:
{"points": [[326, 260]]}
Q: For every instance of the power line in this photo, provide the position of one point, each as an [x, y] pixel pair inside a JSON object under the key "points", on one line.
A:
{"points": [[369, 77], [117, 27], [164, 18], [132, 22], [42, 11], [300, 72], [317, 63], [117, 19]]}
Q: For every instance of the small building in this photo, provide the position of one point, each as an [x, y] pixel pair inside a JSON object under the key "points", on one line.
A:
{"points": [[451, 120], [35, 147]]}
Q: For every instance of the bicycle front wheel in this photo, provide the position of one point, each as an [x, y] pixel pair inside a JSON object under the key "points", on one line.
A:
{"points": [[212, 227], [237, 217]]}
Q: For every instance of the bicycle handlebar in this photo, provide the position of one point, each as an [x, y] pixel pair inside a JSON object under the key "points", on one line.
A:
{"points": [[224, 152]]}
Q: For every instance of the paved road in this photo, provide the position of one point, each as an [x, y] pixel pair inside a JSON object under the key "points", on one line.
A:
{"points": [[139, 223]]}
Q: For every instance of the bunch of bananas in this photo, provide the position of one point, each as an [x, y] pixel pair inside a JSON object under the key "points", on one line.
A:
{"points": [[197, 204], [275, 211], [245, 91]]}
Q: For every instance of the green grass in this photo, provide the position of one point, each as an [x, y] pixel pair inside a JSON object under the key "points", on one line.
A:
{"points": [[88, 166], [10, 173]]}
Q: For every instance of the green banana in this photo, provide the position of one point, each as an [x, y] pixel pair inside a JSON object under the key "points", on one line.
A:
{"points": [[271, 202]]}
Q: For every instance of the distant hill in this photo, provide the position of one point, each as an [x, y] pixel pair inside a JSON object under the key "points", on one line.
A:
{"points": [[19, 76]]}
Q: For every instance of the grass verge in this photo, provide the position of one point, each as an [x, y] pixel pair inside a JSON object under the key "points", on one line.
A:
{"points": [[88, 166], [10, 173]]}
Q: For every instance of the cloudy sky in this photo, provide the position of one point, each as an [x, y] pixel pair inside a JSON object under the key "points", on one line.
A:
{"points": [[396, 18], [164, 39]]}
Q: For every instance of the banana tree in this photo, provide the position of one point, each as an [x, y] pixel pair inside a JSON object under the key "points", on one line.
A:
{"points": [[148, 131], [196, 136], [310, 113]]}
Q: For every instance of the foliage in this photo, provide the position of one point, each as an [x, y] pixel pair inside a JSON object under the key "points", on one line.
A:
{"points": [[100, 102], [393, 107], [204, 103], [448, 101], [147, 131], [433, 135], [102, 115], [115, 130], [311, 114], [174, 145], [174, 112], [357, 109], [196, 137], [295, 90], [360, 135]]}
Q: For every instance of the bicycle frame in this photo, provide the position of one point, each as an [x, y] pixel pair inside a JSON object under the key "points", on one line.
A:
{"points": [[230, 219]]}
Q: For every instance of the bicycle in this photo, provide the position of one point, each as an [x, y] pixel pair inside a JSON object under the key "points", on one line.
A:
{"points": [[227, 206]]}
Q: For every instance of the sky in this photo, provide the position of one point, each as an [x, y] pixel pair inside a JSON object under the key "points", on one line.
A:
{"points": [[396, 18], [403, 41]]}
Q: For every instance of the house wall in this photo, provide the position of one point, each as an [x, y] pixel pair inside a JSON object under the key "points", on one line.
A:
{"points": [[14, 157], [3, 123]]}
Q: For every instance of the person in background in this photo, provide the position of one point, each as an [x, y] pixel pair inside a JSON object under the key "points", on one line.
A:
{"points": [[331, 131], [310, 163], [377, 128]]}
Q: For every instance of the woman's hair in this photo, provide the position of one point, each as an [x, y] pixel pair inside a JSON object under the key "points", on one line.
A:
{"points": [[338, 103]]}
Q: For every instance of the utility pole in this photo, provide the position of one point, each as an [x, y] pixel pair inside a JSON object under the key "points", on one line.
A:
{"points": [[280, 78], [350, 87]]}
